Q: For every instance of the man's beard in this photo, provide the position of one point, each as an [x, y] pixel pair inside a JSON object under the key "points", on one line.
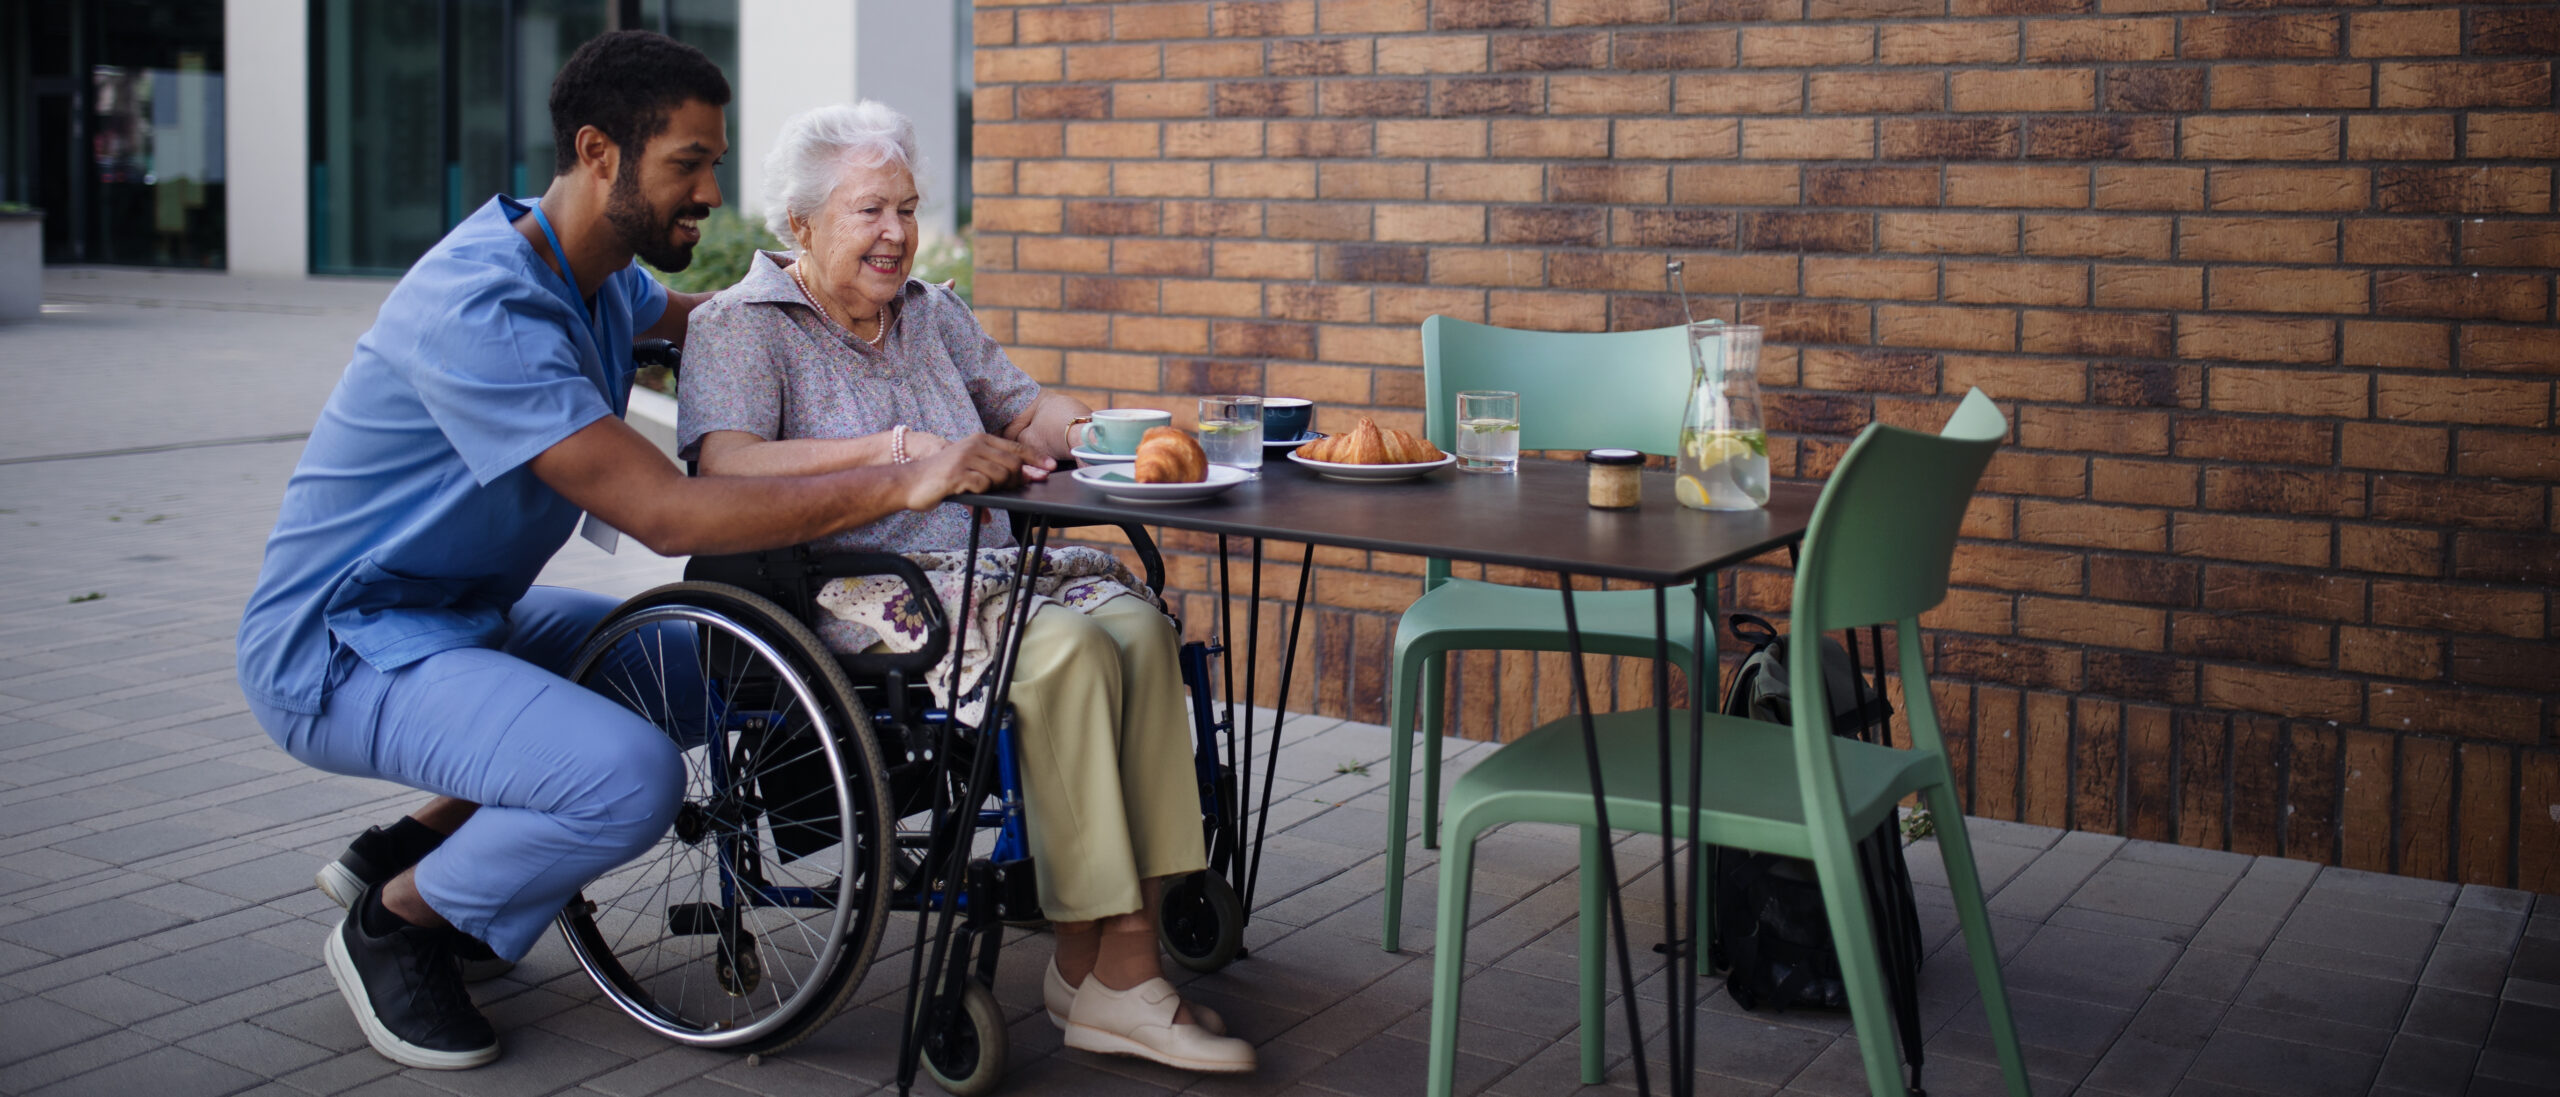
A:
{"points": [[648, 235]]}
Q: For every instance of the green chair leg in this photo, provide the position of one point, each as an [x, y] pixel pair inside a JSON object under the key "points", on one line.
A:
{"points": [[1402, 710], [1861, 965], [1590, 949], [1975, 919], [1399, 765], [1435, 726], [1449, 959]]}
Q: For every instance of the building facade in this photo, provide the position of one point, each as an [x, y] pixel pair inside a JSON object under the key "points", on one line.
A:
{"points": [[346, 136]]}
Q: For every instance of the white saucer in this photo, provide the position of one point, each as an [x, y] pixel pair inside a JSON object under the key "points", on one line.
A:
{"points": [[1221, 477], [1097, 457], [1371, 474], [1269, 444]]}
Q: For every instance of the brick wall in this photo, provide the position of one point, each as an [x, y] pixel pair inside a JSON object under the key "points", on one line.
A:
{"points": [[2267, 290]]}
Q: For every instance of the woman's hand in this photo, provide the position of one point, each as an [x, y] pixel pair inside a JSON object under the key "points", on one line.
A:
{"points": [[976, 463]]}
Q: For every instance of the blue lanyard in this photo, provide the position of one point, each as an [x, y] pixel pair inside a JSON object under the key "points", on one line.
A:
{"points": [[594, 317], [562, 254]]}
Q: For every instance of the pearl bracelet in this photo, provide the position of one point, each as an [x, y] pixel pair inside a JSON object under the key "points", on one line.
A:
{"points": [[898, 444]]}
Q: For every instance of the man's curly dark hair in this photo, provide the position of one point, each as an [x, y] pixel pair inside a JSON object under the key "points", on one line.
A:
{"points": [[626, 83]]}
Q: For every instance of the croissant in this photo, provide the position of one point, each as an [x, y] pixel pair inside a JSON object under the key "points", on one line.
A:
{"points": [[1403, 448], [1170, 456], [1369, 444], [1362, 445]]}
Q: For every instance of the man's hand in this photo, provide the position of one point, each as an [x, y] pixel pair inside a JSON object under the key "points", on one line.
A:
{"points": [[976, 463]]}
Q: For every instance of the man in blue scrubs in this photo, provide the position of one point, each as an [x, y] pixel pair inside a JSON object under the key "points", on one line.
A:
{"points": [[395, 631]]}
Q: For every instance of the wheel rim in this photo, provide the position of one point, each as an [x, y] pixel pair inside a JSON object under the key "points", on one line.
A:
{"points": [[658, 934]]}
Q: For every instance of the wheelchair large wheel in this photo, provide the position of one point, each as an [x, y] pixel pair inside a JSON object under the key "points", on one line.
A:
{"points": [[747, 925]]}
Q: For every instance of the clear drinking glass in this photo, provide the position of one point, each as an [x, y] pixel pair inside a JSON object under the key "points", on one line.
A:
{"points": [[1488, 431], [1231, 432], [1724, 442]]}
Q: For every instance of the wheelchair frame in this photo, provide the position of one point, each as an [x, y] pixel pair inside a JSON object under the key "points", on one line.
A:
{"points": [[885, 761]]}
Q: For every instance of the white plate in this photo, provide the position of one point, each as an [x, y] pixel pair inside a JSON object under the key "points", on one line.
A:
{"points": [[1269, 444], [1335, 470], [1221, 477], [1097, 457]]}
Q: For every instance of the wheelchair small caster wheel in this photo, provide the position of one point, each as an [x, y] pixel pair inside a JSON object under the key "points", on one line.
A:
{"points": [[737, 966], [1201, 922], [966, 1056]]}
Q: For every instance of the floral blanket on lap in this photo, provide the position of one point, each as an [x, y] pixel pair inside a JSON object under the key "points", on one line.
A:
{"points": [[881, 609]]}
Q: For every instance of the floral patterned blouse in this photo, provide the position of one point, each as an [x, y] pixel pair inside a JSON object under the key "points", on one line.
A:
{"points": [[758, 358]]}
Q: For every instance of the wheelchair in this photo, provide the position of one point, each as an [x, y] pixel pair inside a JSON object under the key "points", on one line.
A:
{"points": [[823, 792]]}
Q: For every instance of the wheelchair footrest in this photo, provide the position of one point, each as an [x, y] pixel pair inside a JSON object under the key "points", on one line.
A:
{"points": [[692, 919]]}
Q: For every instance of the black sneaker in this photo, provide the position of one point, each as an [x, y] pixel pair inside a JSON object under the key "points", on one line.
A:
{"points": [[406, 991], [371, 861]]}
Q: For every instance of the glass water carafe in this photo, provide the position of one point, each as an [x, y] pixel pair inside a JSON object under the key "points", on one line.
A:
{"points": [[1724, 441]]}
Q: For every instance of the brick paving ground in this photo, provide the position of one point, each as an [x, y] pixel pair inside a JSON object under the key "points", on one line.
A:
{"points": [[159, 932]]}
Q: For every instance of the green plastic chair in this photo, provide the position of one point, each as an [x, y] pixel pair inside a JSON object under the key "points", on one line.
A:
{"points": [[1877, 552], [1577, 391]]}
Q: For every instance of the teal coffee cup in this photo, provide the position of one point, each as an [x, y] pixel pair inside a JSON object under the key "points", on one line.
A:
{"points": [[1116, 430]]}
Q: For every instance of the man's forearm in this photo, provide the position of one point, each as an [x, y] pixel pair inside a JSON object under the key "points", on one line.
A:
{"points": [[723, 514], [796, 456]]}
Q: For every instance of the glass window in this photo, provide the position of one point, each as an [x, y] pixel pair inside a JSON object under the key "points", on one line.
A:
{"points": [[423, 109], [377, 170]]}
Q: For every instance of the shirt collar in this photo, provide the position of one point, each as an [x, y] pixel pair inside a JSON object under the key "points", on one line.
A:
{"points": [[768, 282]]}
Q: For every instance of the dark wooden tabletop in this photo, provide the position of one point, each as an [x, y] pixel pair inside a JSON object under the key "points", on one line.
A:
{"points": [[1538, 518]]}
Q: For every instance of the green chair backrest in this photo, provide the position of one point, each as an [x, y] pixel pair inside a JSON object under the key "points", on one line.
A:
{"points": [[1578, 390], [1885, 527]]}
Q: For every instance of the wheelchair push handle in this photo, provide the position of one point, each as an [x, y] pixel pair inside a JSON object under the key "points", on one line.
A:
{"points": [[657, 352]]}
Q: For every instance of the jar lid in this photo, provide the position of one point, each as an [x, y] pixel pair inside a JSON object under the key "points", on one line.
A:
{"points": [[1614, 457]]}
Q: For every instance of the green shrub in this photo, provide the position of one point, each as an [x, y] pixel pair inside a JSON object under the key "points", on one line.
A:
{"points": [[728, 247], [730, 242]]}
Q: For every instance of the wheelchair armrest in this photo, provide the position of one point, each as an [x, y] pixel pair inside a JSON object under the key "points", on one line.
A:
{"points": [[1151, 559], [792, 576]]}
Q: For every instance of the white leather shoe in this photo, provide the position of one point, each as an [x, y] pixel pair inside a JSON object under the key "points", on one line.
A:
{"points": [[1060, 998], [1139, 1022]]}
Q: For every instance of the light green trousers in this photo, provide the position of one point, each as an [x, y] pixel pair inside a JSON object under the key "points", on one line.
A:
{"points": [[1107, 775]]}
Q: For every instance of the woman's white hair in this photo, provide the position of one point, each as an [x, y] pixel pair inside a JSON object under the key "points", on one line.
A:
{"points": [[815, 148]]}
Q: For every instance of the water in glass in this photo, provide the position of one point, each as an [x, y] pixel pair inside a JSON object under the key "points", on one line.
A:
{"points": [[1488, 434], [1231, 432], [1724, 444]]}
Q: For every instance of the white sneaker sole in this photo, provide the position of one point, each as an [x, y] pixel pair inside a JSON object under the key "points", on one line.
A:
{"points": [[343, 972], [1089, 1038], [340, 885]]}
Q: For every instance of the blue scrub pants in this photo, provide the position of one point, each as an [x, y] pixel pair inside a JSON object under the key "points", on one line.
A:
{"points": [[570, 783]]}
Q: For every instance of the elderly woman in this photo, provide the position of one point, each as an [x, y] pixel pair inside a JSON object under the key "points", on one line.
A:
{"points": [[832, 356]]}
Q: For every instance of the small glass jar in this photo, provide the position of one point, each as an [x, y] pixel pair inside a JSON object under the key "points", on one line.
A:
{"points": [[1617, 478]]}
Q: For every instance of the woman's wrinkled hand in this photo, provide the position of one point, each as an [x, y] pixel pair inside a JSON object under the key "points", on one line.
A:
{"points": [[979, 462]]}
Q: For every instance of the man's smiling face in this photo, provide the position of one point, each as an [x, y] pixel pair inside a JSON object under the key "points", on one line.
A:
{"points": [[661, 196]]}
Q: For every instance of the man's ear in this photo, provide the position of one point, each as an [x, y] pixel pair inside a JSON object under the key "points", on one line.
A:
{"points": [[598, 153]]}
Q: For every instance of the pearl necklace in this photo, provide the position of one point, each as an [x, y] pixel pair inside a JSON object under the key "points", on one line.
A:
{"points": [[880, 318]]}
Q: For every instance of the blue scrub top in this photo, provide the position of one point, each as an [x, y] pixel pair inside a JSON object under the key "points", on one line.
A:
{"points": [[412, 523]]}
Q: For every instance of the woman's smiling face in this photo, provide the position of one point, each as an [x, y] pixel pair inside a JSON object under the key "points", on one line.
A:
{"points": [[862, 242]]}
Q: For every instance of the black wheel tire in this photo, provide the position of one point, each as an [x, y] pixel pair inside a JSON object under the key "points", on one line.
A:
{"points": [[1201, 922], [967, 1058], [612, 935]]}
